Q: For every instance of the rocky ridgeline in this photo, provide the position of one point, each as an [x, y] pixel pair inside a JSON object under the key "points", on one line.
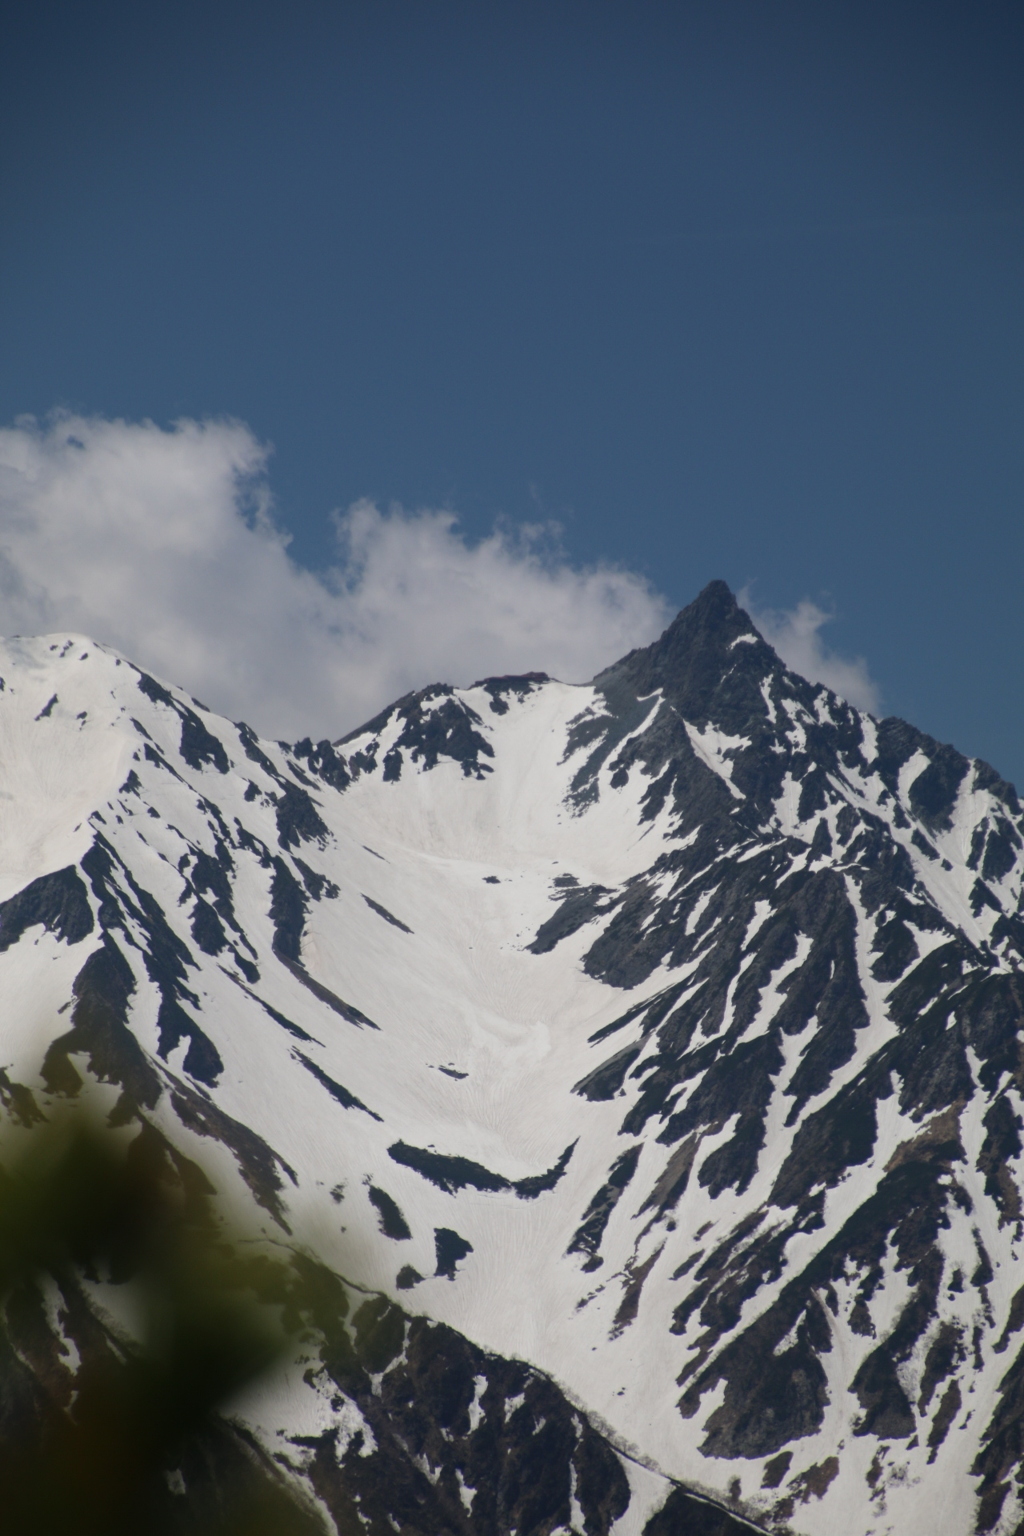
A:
{"points": [[750, 1189]]}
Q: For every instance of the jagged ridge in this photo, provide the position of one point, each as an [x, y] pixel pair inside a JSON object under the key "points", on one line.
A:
{"points": [[670, 1024]]}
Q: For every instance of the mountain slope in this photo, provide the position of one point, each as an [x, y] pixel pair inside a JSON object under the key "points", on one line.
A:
{"points": [[662, 1032]]}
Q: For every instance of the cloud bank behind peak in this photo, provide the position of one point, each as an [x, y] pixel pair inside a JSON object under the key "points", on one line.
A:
{"points": [[795, 635], [161, 543]]}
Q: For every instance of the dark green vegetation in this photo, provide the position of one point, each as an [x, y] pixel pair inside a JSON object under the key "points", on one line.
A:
{"points": [[111, 1446]]}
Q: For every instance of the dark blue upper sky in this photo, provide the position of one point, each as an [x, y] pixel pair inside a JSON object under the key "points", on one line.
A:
{"points": [[730, 289]]}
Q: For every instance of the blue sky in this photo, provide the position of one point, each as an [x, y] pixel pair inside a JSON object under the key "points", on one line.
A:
{"points": [[729, 289]]}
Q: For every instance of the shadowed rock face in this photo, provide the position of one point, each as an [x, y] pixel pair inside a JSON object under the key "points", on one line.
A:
{"points": [[687, 1004]]}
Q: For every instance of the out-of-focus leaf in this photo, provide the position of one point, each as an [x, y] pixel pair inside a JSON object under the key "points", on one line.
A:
{"points": [[130, 1443]]}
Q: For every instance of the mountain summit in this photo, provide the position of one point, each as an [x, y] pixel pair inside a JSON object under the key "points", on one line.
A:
{"points": [[657, 1041]]}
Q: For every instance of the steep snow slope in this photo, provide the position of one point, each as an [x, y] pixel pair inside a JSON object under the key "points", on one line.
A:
{"points": [[662, 1032]]}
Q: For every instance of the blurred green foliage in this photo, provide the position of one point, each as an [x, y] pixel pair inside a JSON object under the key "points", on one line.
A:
{"points": [[128, 1318]]}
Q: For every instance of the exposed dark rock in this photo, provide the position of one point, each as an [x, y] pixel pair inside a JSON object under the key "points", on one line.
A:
{"points": [[945, 1352], [448, 1173], [298, 820], [316, 884], [155, 691], [254, 752], [202, 1059], [58, 902], [577, 907], [258, 1164], [887, 1413], [606, 1080], [442, 1467], [497, 687], [1002, 847], [392, 1223], [587, 1237], [323, 761], [166, 958], [933, 793], [199, 746], [288, 908], [454, 1173], [451, 1250], [18, 1103], [324, 994], [684, 1514], [539, 1183], [278, 1017], [337, 1092], [1002, 1143], [946, 1412], [434, 725], [776, 1469], [388, 917], [207, 928], [99, 1029]]}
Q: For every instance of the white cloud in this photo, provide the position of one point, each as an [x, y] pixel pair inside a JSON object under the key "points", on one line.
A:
{"points": [[794, 634], [162, 544]]}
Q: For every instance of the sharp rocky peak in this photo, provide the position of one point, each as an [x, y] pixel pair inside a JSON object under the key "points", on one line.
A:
{"points": [[708, 664]]}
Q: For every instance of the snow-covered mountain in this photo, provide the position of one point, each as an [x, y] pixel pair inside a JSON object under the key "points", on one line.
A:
{"points": [[662, 1033]]}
